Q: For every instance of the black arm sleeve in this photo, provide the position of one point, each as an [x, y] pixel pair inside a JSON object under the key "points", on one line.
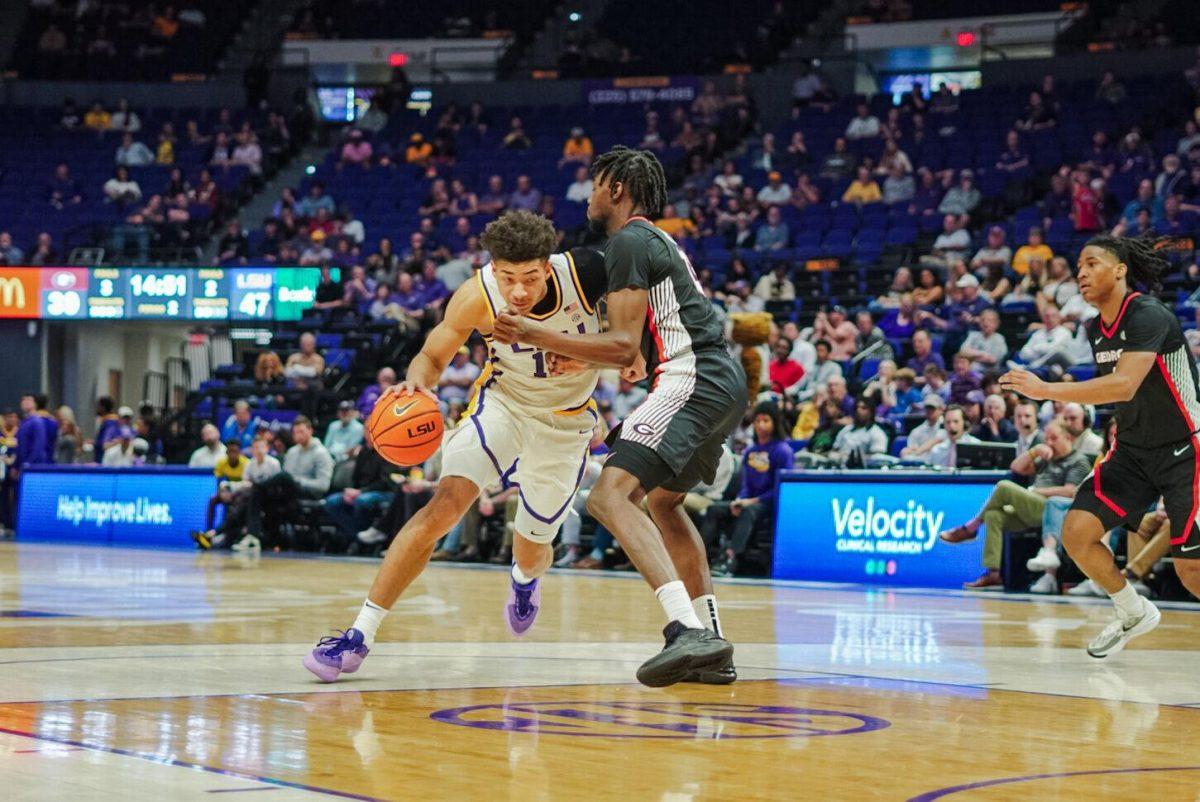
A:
{"points": [[589, 268]]}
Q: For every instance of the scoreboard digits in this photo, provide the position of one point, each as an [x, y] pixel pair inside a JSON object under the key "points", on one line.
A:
{"points": [[157, 293]]}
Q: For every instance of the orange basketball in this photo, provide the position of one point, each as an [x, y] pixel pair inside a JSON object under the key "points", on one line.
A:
{"points": [[406, 429]]}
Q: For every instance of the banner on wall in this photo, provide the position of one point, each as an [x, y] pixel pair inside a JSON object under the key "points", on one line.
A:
{"points": [[879, 527], [645, 89], [152, 506]]}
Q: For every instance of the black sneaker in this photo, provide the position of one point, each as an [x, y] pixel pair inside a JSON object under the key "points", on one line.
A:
{"points": [[686, 651], [717, 675]]}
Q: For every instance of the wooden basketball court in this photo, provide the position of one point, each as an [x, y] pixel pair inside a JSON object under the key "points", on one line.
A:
{"points": [[130, 675]]}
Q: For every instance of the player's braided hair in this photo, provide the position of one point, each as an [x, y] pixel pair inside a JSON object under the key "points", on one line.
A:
{"points": [[639, 172], [1144, 256]]}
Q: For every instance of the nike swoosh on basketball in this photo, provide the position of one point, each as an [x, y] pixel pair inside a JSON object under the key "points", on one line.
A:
{"points": [[1180, 451], [398, 411]]}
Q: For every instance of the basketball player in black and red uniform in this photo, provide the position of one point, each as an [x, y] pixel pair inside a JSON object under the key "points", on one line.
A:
{"points": [[1143, 366]]}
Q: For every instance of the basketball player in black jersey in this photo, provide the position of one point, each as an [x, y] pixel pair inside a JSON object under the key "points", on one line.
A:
{"points": [[656, 312], [1143, 367]]}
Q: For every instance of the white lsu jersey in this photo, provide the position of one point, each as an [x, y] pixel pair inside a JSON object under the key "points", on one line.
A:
{"points": [[520, 371]]}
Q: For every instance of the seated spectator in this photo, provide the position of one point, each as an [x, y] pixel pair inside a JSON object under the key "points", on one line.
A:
{"points": [[942, 450], [677, 227], [869, 338], [494, 200], [861, 439], [358, 292], [985, 346], [1057, 471], [796, 156], [305, 367], [317, 198], [806, 192], [458, 378], [434, 292], [221, 154], [211, 450], [132, 153], [901, 322], [44, 253], [840, 163], [963, 380], [317, 252], [1049, 344], [833, 327], [761, 463], [902, 284], [234, 245], [729, 180], [962, 199], [995, 427], [577, 148], [898, 187], [765, 157], [629, 396], [247, 153], [344, 437], [419, 152], [923, 353], [97, 119], [864, 125], [207, 192], [1078, 423], [929, 291], [9, 254], [1034, 248], [63, 190], [525, 196], [307, 473], [357, 150], [370, 490], [926, 434], [516, 138], [1146, 200], [962, 313], [863, 189], [241, 426], [776, 286], [951, 245], [995, 253], [1014, 160], [385, 378], [121, 189], [893, 157], [1110, 90], [1038, 114], [784, 372], [928, 195], [773, 235], [581, 188], [229, 471], [824, 371], [125, 452]]}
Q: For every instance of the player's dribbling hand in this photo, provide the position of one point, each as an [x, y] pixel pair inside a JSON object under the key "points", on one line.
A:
{"points": [[559, 365], [635, 372], [1024, 383], [406, 387], [509, 327]]}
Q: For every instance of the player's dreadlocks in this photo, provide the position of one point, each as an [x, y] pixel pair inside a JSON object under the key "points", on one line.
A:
{"points": [[1142, 255], [639, 172]]}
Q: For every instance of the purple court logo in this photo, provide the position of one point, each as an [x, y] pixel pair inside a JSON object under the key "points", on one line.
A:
{"points": [[644, 429], [707, 721]]}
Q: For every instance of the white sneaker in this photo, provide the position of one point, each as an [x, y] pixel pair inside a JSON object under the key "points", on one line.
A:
{"points": [[370, 536], [1046, 560], [1046, 585], [1086, 588], [569, 556], [248, 543], [1119, 632]]}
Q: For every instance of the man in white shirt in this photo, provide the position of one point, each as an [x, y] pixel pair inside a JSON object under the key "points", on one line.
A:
{"points": [[1049, 343], [865, 125], [1025, 418], [122, 453], [1078, 423], [862, 438], [943, 449], [822, 371], [921, 438], [457, 378], [775, 192], [985, 347], [951, 245], [776, 286], [581, 189], [344, 437], [206, 456], [132, 153]]}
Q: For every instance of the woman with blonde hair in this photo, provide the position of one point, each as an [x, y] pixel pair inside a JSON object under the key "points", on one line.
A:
{"points": [[268, 368], [70, 439]]}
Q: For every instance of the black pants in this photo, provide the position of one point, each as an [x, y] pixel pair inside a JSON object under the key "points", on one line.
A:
{"points": [[270, 504], [733, 532]]}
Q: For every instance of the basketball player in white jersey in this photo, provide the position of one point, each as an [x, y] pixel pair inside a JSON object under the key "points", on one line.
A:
{"points": [[529, 423]]}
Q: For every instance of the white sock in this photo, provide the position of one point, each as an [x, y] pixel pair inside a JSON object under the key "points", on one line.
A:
{"points": [[1128, 602], [519, 576], [673, 597], [706, 610], [369, 618]]}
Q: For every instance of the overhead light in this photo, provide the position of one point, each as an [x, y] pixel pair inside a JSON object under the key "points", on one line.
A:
{"points": [[574, 16]]}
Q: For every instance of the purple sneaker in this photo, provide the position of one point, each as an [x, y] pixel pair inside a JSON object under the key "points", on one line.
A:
{"points": [[524, 601], [334, 655]]}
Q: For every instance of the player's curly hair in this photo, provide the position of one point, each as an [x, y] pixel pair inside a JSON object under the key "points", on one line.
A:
{"points": [[639, 172], [520, 236], [1144, 256]]}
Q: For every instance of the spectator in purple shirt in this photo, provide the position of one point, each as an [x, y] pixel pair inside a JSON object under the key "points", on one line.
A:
{"points": [[432, 289], [525, 196], [923, 353], [964, 380], [408, 296], [761, 463], [928, 196], [37, 434], [962, 314], [367, 399]]}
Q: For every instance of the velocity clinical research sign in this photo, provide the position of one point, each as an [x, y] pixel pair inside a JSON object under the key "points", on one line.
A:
{"points": [[878, 527], [113, 506]]}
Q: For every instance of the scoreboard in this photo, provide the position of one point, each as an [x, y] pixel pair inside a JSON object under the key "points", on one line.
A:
{"points": [[157, 293]]}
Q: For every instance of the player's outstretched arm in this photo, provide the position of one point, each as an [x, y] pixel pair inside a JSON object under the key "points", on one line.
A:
{"points": [[464, 314], [1120, 385], [618, 347]]}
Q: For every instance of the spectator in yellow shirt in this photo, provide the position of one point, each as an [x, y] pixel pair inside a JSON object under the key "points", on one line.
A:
{"points": [[232, 466], [675, 225], [419, 151], [863, 189], [1036, 248], [97, 119], [577, 148]]}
